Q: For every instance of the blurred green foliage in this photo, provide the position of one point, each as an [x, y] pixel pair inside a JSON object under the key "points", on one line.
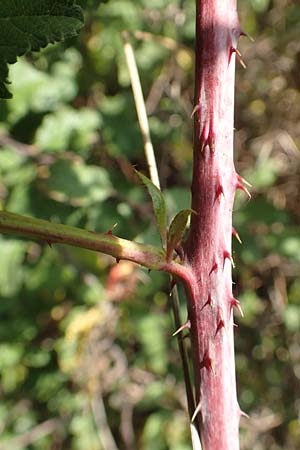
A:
{"points": [[88, 343]]}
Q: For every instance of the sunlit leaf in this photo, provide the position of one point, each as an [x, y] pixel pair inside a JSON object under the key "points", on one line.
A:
{"points": [[76, 183]]}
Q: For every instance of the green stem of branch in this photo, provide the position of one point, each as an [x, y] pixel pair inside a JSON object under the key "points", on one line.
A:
{"points": [[148, 256]]}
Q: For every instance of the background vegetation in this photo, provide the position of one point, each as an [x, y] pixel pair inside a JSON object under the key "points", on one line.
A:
{"points": [[85, 345]]}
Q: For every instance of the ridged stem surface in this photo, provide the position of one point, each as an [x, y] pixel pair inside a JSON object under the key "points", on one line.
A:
{"points": [[208, 247]]}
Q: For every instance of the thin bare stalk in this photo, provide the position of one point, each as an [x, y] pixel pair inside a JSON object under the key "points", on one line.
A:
{"points": [[34, 434], [183, 353], [196, 443], [154, 176], [140, 109], [104, 433]]}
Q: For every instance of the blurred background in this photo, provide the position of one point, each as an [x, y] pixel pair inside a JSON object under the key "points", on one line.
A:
{"points": [[87, 361]]}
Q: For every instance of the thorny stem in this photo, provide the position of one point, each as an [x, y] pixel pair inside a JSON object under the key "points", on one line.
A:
{"points": [[207, 272], [208, 248]]}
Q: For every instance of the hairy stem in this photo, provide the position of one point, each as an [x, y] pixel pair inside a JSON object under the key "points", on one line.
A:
{"points": [[208, 247]]}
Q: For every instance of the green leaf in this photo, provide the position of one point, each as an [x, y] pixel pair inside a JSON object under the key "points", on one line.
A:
{"points": [[76, 183], [29, 25], [176, 230], [68, 128], [159, 206], [11, 259], [38, 91]]}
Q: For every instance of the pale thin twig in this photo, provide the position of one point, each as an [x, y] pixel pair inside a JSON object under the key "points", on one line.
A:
{"points": [[150, 157], [140, 109], [34, 434], [105, 435], [195, 437]]}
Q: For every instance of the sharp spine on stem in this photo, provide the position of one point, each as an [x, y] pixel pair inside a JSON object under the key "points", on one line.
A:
{"points": [[236, 235], [214, 268], [235, 303], [242, 180], [207, 362], [185, 326], [110, 231], [219, 192], [242, 33], [227, 255], [196, 412], [243, 188], [195, 109], [208, 302]]}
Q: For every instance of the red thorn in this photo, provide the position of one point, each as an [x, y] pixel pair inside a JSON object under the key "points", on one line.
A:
{"points": [[236, 235], [243, 414], [235, 303], [117, 260], [231, 51], [173, 283], [227, 255], [110, 231], [221, 323], [204, 137], [242, 180], [207, 362], [242, 33], [214, 268], [243, 188], [242, 63], [211, 141], [196, 412], [239, 56], [195, 109], [240, 60], [49, 243], [208, 303], [219, 192], [185, 326]]}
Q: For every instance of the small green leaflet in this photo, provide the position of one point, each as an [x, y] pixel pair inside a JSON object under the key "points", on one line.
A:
{"points": [[29, 25], [159, 206], [176, 231]]}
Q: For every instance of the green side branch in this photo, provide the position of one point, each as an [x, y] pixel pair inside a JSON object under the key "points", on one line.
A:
{"points": [[148, 256]]}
